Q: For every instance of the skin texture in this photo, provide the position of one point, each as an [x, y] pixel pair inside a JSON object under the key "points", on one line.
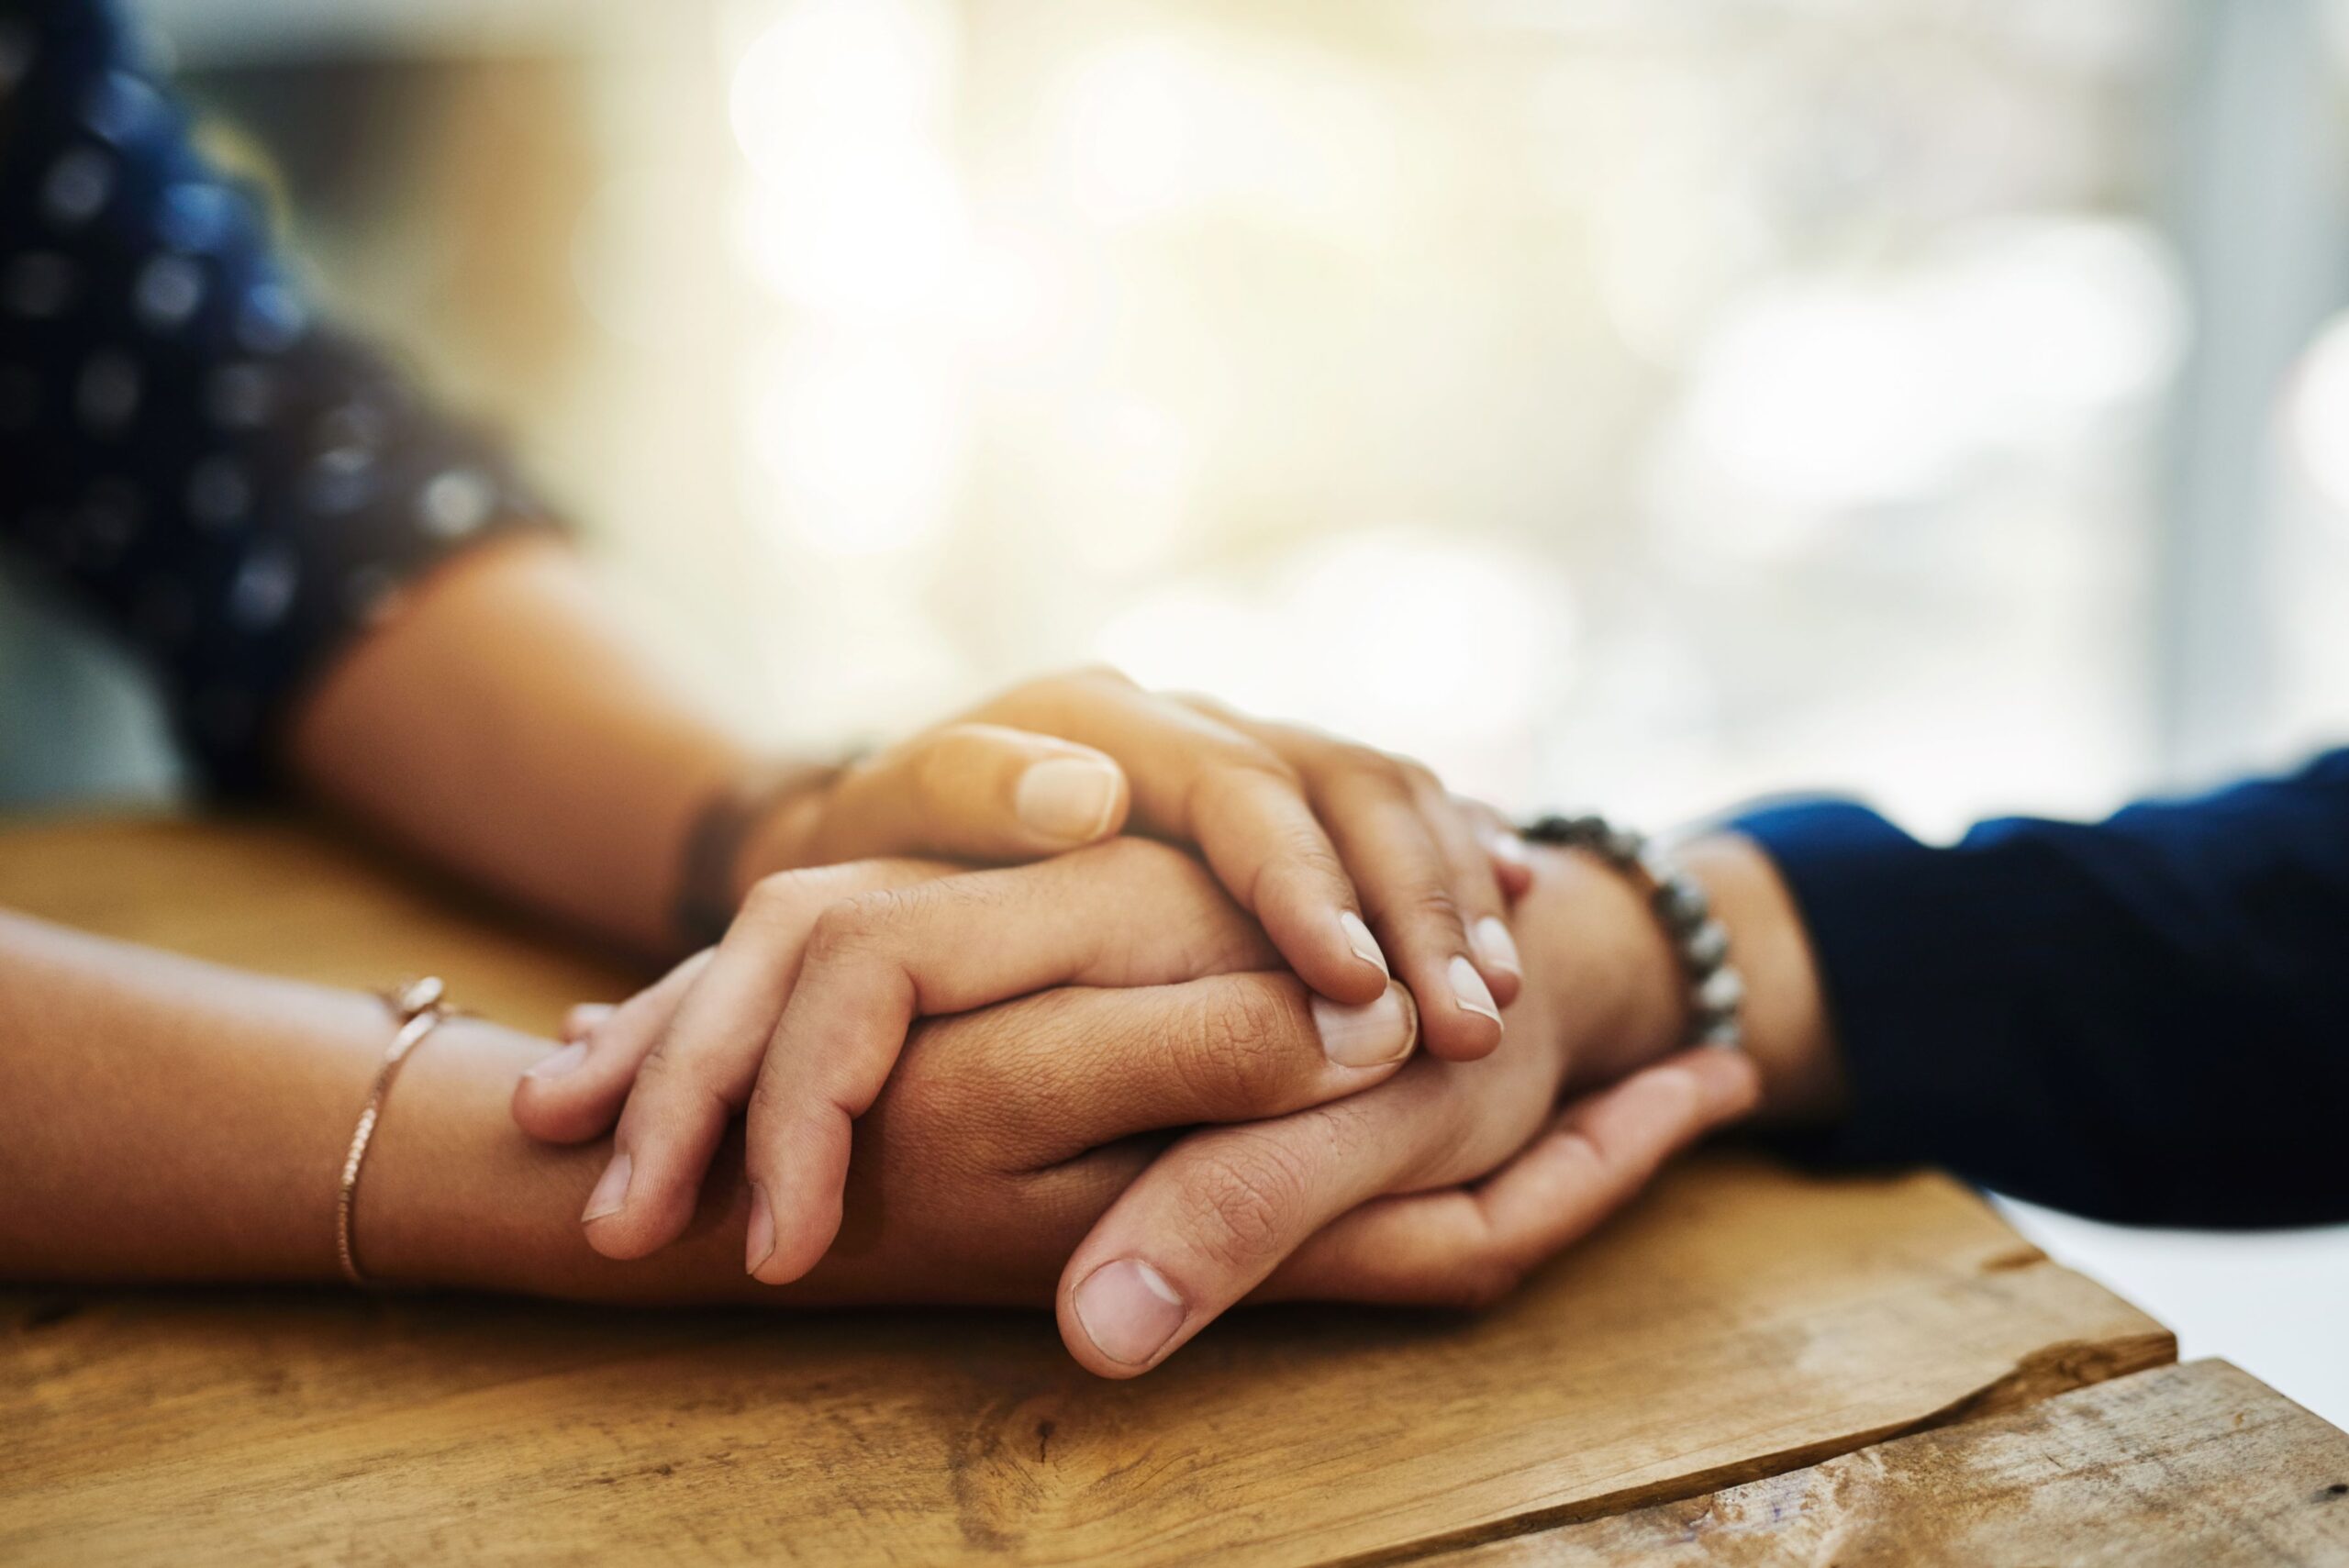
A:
{"points": [[828, 970], [1329, 1198], [501, 727], [161, 1119]]}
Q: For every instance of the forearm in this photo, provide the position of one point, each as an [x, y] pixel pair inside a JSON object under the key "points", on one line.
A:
{"points": [[455, 1195], [2137, 1019], [503, 726], [166, 1119], [161, 1119]]}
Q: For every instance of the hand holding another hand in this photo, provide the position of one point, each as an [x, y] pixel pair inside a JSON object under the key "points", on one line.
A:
{"points": [[809, 997], [803, 1011], [1018, 1150], [1355, 864]]}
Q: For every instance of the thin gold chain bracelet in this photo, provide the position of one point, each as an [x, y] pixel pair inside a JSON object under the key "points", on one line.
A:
{"points": [[417, 1008]]}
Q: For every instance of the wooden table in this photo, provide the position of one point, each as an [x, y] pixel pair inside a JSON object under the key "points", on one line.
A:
{"points": [[1750, 1366]]}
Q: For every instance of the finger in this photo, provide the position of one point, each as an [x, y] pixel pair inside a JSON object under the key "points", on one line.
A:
{"points": [[1434, 894], [699, 1069], [1129, 914], [1469, 1246], [1070, 1070], [1474, 886], [583, 1019], [1504, 846], [1198, 781], [1219, 1211], [976, 792], [1373, 811], [574, 1093], [1512, 862]]}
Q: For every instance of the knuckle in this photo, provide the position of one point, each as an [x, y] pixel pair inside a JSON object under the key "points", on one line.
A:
{"points": [[920, 1101], [1304, 858], [794, 900], [777, 898], [856, 924], [1208, 706], [677, 1080], [1242, 766], [1104, 674], [994, 1058], [1375, 769], [937, 755], [1427, 903], [1240, 1195], [1232, 784], [1243, 1047], [1195, 928], [1416, 776], [769, 1102], [936, 766]]}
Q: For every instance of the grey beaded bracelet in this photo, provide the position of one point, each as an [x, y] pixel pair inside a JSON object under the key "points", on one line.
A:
{"points": [[1716, 990]]}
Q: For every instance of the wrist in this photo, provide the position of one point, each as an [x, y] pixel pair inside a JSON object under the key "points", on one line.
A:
{"points": [[455, 1196], [1788, 1031], [1621, 991], [1593, 942]]}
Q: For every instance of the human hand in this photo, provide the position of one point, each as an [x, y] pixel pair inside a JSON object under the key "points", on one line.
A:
{"points": [[1446, 1183], [1347, 856], [1082, 1089], [1003, 1135], [1442, 1184], [1009, 1132], [800, 1012]]}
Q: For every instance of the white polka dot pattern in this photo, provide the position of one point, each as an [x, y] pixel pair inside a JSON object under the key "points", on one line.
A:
{"points": [[167, 293], [77, 187], [456, 503], [237, 487]]}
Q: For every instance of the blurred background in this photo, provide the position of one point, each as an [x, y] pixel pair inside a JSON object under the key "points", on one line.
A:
{"points": [[1644, 403]]}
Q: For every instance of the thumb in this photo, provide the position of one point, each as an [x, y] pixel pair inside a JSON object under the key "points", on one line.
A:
{"points": [[974, 792]]}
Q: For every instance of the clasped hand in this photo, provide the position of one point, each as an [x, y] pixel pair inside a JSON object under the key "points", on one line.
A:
{"points": [[1145, 1084]]}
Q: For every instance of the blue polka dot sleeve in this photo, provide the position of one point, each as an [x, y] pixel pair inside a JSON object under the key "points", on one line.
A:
{"points": [[233, 487]]}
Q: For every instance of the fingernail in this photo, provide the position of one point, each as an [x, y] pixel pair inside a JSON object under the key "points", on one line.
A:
{"points": [[610, 1192], [1067, 797], [1364, 945], [1368, 1036], [1129, 1310], [1510, 848], [1495, 945], [1469, 989], [760, 1246], [585, 1018], [555, 1063]]}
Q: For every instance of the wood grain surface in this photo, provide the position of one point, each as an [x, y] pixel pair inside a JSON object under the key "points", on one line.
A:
{"points": [[1740, 1321], [2198, 1466]]}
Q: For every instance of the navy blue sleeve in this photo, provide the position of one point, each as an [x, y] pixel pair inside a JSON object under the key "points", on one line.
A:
{"points": [[233, 487], [2144, 1020]]}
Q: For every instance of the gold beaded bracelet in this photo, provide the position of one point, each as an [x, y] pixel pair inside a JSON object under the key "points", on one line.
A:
{"points": [[417, 1008]]}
